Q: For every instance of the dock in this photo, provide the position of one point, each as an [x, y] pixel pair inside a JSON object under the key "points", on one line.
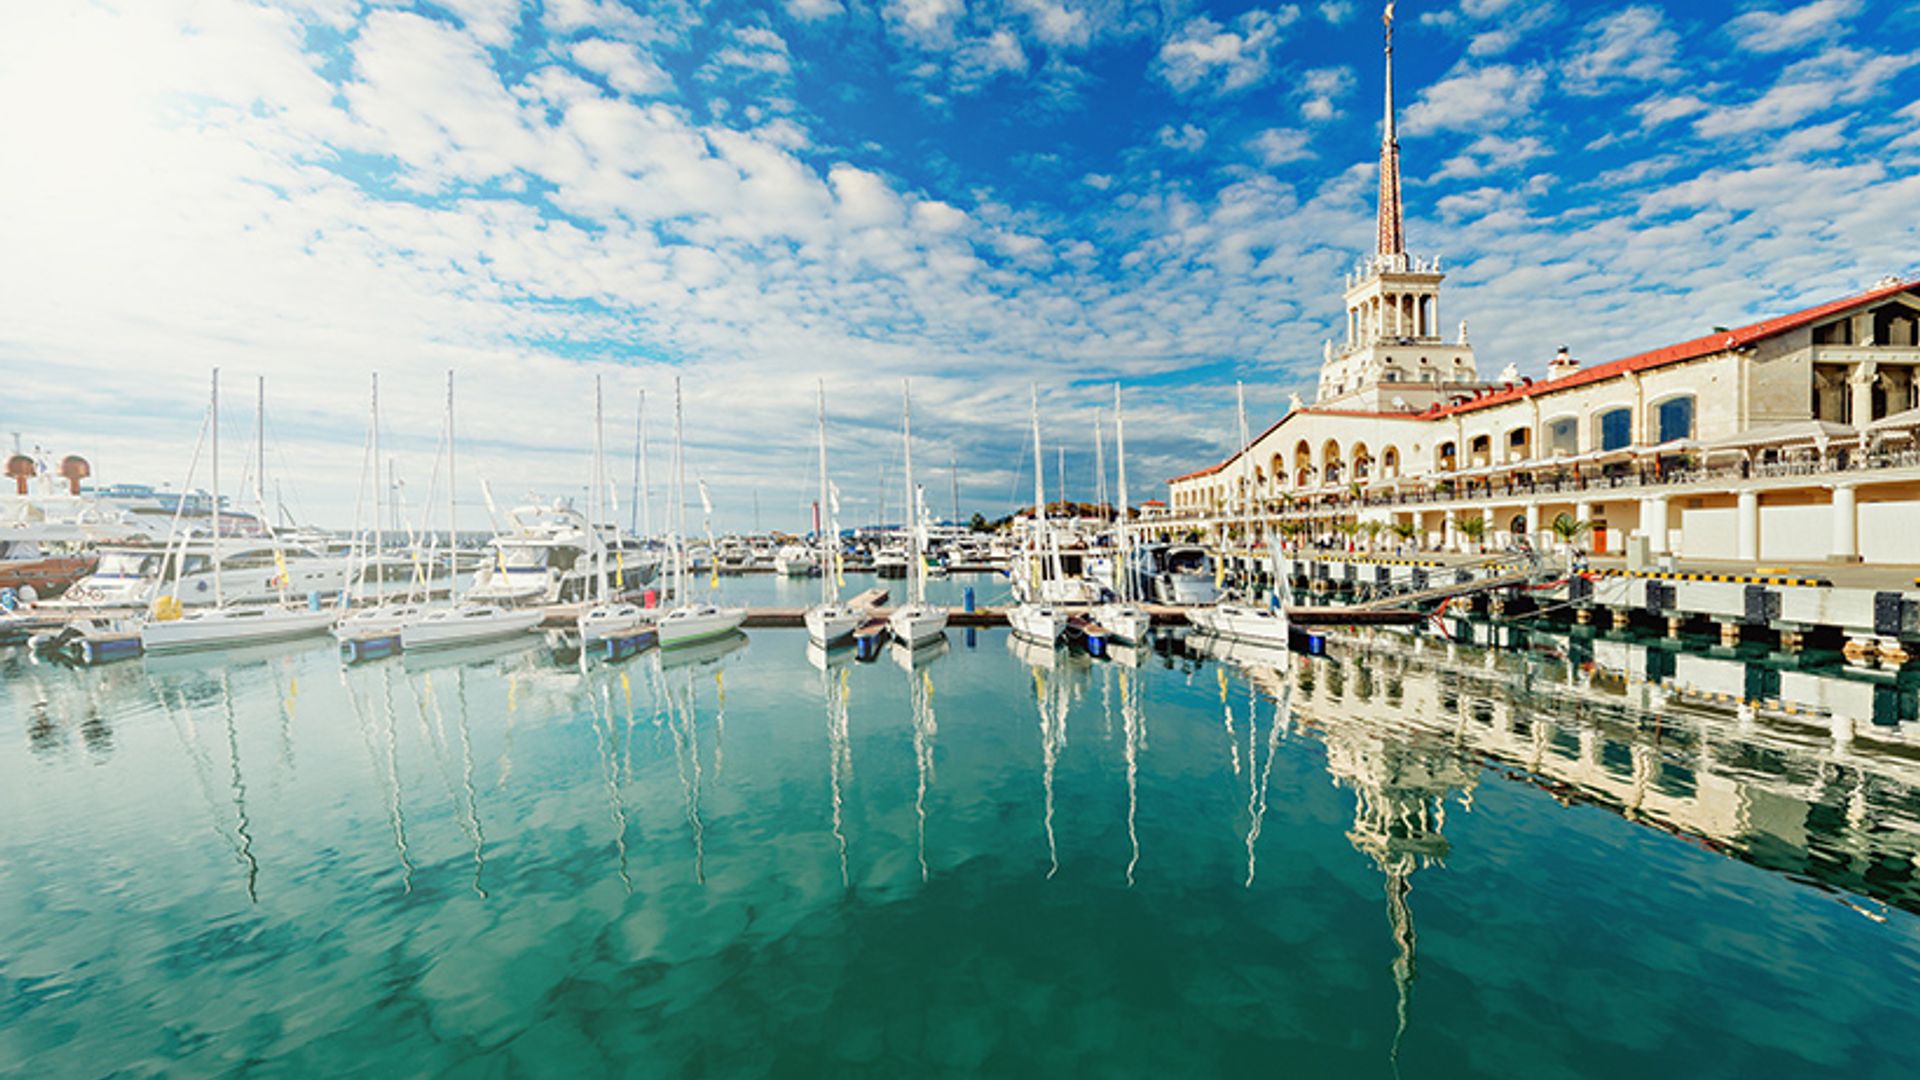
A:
{"points": [[1162, 615]]}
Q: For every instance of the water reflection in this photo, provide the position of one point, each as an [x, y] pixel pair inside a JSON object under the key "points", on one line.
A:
{"points": [[917, 663]]}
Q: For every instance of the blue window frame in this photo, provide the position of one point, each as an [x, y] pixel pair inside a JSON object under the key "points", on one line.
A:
{"points": [[1674, 419], [1616, 429]]}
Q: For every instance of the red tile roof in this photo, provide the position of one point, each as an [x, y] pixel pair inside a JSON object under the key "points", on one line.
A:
{"points": [[1717, 342]]}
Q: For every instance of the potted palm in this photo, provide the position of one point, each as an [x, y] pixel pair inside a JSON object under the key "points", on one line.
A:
{"points": [[1473, 528]]}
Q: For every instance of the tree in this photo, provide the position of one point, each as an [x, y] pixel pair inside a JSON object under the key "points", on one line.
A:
{"points": [[979, 522], [1568, 529], [1473, 528], [1405, 530], [1373, 529]]}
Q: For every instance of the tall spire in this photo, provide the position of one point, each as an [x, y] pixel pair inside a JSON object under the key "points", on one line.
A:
{"points": [[1393, 230]]}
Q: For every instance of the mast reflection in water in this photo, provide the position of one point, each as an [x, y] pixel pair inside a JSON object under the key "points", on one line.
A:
{"points": [[520, 859]]}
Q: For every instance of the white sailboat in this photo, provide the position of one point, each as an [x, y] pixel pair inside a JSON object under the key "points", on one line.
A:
{"points": [[377, 625], [1036, 618], [1266, 624], [915, 622], [829, 622], [607, 619], [689, 623], [1123, 619], [172, 629], [464, 622]]}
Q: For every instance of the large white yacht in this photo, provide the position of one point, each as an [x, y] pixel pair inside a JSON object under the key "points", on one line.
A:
{"points": [[130, 575], [544, 557]]}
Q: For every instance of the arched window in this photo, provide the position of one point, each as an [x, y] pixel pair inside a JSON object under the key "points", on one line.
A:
{"points": [[1480, 450], [1563, 436], [1673, 419], [1390, 463], [1613, 429], [1444, 457]]}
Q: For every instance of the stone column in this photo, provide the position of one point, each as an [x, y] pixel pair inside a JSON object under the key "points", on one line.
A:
{"points": [[1746, 543], [1449, 536], [1653, 522], [1846, 526], [1533, 524]]}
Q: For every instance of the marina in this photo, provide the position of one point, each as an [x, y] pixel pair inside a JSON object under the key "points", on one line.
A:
{"points": [[1408, 852], [814, 539]]}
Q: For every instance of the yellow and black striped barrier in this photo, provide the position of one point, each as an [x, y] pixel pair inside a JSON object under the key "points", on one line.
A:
{"points": [[1721, 697], [1725, 579]]}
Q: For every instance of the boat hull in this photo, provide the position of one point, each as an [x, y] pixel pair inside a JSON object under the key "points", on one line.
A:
{"points": [[1037, 622], [449, 627], [917, 624], [690, 626], [220, 628], [831, 625]]}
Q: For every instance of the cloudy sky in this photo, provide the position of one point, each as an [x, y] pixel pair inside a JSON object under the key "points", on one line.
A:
{"points": [[975, 194]]}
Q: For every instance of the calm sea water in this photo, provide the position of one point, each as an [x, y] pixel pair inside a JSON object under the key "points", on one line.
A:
{"points": [[751, 860]]}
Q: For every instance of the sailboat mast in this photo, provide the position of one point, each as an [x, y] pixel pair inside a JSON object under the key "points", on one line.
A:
{"points": [[260, 448], [1039, 470], [453, 521], [824, 513], [599, 485], [1240, 398], [916, 575], [680, 501], [379, 527], [1120, 451], [219, 594]]}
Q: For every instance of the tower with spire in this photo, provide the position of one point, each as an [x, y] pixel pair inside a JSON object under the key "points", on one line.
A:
{"points": [[1393, 356]]}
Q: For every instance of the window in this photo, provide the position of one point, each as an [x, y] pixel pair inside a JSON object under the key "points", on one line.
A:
{"points": [[1563, 436], [1673, 419], [1614, 428]]}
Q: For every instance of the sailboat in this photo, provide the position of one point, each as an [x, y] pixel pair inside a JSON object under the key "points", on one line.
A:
{"points": [[688, 623], [1248, 622], [1124, 620], [462, 623], [173, 629], [375, 630], [829, 622], [621, 625], [916, 621], [1035, 618]]}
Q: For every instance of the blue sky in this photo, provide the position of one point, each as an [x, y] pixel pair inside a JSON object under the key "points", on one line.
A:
{"points": [[974, 194]]}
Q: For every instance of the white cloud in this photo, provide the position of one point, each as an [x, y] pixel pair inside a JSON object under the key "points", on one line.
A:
{"points": [[1097, 181], [1277, 146], [1809, 24], [1336, 11], [928, 22], [812, 10], [1224, 59], [1056, 23], [978, 60], [756, 48], [1490, 154], [1631, 45], [1188, 137], [625, 68], [1472, 98], [1321, 88], [1838, 76], [1664, 108]]}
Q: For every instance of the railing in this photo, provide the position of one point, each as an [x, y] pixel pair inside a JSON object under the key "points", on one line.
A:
{"points": [[1838, 463]]}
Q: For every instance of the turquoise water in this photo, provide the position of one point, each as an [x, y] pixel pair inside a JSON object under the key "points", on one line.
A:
{"points": [[732, 863]]}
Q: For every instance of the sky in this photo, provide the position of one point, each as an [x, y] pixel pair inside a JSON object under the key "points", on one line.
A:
{"points": [[981, 196]]}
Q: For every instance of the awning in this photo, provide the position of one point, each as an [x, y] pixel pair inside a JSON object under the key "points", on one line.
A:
{"points": [[1897, 422], [1818, 433]]}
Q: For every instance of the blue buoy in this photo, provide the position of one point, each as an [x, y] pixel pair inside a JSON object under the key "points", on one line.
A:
{"points": [[966, 600]]}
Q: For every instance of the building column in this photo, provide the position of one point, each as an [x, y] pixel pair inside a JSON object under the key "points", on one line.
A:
{"points": [[1449, 536], [1746, 543], [1653, 522], [1860, 388], [1533, 524], [1846, 524]]}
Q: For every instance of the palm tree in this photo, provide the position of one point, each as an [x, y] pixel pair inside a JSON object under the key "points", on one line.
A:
{"points": [[1373, 529], [1405, 530], [1568, 529], [1472, 528]]}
